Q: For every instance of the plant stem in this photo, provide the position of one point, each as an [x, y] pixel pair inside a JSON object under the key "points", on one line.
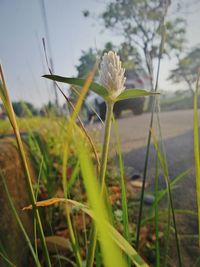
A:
{"points": [[104, 159], [104, 156]]}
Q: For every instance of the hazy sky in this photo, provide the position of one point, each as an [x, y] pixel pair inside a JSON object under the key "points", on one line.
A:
{"points": [[22, 29]]}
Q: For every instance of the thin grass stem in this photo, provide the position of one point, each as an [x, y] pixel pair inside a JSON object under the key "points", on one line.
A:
{"points": [[162, 42], [156, 219]]}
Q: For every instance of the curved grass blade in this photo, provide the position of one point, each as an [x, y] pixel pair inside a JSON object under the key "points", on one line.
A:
{"points": [[110, 251]]}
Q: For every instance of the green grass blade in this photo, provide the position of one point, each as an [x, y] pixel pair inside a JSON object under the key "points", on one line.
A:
{"points": [[133, 93], [196, 152], [110, 252], [157, 247]]}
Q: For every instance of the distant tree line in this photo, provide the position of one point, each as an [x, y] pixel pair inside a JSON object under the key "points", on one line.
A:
{"points": [[26, 109]]}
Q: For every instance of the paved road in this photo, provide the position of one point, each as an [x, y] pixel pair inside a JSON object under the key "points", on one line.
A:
{"points": [[134, 129], [177, 132]]}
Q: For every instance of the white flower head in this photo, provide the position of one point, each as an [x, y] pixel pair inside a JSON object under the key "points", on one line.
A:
{"points": [[112, 74]]}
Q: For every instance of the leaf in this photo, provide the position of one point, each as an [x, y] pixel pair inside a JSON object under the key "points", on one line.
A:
{"points": [[133, 93], [45, 203], [95, 87]]}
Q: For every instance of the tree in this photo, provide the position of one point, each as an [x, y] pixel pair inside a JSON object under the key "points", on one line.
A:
{"points": [[23, 109], [141, 23], [129, 56], [87, 61], [187, 69]]}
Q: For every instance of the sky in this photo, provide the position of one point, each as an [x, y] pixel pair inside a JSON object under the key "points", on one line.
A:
{"points": [[22, 30]]}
